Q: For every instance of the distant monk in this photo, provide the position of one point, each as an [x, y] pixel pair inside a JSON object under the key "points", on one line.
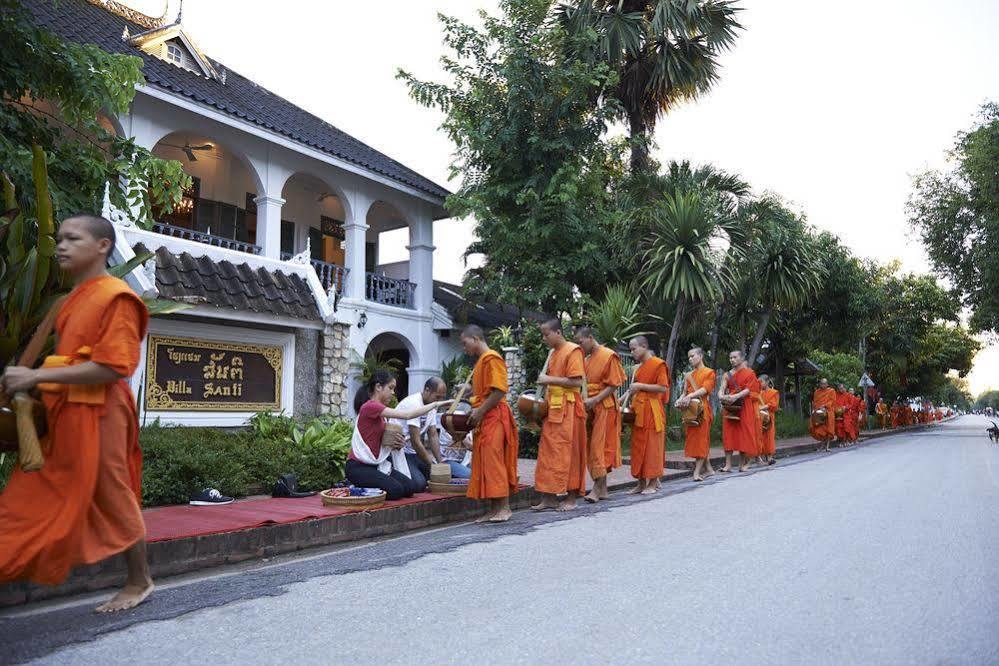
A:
{"points": [[852, 416], [494, 438], [844, 409], [881, 409], [741, 387], [83, 506], [771, 400], [561, 467], [649, 393], [896, 413], [825, 430], [604, 374], [860, 410], [698, 384]]}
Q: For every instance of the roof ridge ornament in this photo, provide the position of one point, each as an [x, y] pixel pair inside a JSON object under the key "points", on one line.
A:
{"points": [[113, 214], [303, 258], [129, 14]]}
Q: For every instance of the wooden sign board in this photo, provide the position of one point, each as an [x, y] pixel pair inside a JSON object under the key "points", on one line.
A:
{"points": [[188, 374]]}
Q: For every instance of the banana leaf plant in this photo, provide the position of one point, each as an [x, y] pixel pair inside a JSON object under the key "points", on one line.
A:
{"points": [[30, 279]]}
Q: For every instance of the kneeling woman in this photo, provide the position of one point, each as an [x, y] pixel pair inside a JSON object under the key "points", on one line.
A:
{"points": [[371, 465]]}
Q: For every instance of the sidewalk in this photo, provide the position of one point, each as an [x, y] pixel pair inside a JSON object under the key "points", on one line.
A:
{"points": [[183, 538]]}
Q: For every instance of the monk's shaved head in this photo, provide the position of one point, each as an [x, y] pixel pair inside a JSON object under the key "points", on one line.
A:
{"points": [[698, 350], [641, 341], [553, 325], [473, 331], [584, 332], [98, 227]]}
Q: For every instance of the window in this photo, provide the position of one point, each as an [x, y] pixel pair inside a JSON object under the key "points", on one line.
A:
{"points": [[175, 54]]}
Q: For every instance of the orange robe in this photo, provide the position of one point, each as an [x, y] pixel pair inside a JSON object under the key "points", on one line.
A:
{"points": [[84, 505], [698, 444], [648, 434], [494, 441], [744, 435], [844, 404], [771, 398], [603, 370], [824, 399], [881, 409], [562, 451]]}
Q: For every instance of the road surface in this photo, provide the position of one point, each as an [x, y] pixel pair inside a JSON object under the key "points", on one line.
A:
{"points": [[885, 553]]}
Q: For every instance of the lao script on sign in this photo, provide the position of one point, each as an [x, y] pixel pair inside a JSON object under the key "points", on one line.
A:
{"points": [[191, 374]]}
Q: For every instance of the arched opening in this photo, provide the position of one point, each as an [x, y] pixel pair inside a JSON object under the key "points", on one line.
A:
{"points": [[219, 206], [393, 352], [313, 216]]}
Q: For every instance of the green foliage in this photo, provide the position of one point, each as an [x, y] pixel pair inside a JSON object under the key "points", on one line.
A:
{"points": [[956, 213], [527, 122], [534, 348], [179, 461], [529, 439], [617, 316], [372, 362], [837, 368], [664, 53], [502, 336], [988, 399], [456, 371]]}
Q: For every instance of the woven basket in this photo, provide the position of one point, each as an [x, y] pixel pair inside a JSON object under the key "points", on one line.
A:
{"points": [[366, 502], [448, 488]]}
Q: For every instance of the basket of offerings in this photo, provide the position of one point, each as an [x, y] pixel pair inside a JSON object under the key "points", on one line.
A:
{"points": [[454, 487], [353, 497], [692, 414]]}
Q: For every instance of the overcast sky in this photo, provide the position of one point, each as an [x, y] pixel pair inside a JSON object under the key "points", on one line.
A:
{"points": [[834, 106]]}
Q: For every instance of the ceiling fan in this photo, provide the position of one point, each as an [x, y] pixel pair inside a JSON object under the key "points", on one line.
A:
{"points": [[189, 149]]}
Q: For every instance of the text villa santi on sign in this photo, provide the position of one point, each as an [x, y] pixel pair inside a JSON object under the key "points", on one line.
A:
{"points": [[190, 374]]}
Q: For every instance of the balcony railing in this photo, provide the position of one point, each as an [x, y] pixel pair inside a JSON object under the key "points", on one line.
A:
{"points": [[330, 275], [390, 291], [207, 239]]}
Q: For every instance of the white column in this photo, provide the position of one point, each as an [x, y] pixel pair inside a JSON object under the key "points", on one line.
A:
{"points": [[421, 260], [356, 232], [269, 225]]}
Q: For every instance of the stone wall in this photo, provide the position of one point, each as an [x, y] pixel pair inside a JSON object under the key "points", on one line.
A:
{"points": [[514, 357], [334, 365], [306, 378]]}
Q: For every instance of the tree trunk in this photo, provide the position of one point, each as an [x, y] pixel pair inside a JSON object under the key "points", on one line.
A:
{"points": [[674, 334], [719, 313], [761, 330], [639, 135]]}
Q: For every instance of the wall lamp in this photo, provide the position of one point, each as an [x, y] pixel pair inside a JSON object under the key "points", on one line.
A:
{"points": [[362, 320]]}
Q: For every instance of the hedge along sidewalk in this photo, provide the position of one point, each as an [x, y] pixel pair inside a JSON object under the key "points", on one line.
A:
{"points": [[184, 555]]}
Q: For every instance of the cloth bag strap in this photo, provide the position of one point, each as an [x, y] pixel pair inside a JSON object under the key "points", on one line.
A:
{"points": [[34, 349]]}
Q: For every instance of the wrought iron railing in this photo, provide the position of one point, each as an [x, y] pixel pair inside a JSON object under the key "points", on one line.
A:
{"points": [[207, 239], [330, 275], [390, 291]]}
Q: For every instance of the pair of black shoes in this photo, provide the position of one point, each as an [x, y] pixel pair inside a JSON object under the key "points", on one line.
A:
{"points": [[287, 486]]}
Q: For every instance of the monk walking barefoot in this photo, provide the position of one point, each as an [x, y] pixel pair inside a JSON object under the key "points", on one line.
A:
{"points": [[741, 388], [604, 374], [494, 434], [649, 393], [561, 468], [699, 384], [822, 424], [83, 506]]}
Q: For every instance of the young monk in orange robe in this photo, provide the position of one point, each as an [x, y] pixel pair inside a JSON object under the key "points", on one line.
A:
{"points": [[604, 374], [700, 384], [824, 398], [771, 400], [561, 468], [742, 435], [83, 506], [844, 407], [881, 409], [494, 435], [649, 394]]}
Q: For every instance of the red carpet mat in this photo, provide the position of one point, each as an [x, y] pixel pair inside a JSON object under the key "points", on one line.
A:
{"points": [[178, 522]]}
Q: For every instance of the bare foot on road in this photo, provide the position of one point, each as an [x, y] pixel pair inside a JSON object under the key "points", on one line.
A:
{"points": [[130, 596], [546, 504], [501, 516], [568, 504]]}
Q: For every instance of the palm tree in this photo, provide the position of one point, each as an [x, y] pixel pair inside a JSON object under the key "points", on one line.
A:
{"points": [[665, 52], [786, 268], [683, 251], [617, 316]]}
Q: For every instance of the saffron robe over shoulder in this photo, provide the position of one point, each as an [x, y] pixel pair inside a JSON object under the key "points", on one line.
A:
{"points": [[771, 398], [648, 434], [84, 505], [562, 451], [824, 399], [494, 441], [698, 444], [844, 404], [744, 435], [604, 370]]}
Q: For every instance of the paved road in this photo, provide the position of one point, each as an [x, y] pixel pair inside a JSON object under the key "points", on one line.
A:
{"points": [[886, 553]]}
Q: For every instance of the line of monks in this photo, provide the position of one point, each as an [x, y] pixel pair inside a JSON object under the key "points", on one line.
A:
{"points": [[581, 431]]}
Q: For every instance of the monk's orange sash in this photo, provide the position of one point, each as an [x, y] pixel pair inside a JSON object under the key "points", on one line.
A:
{"points": [[88, 394]]}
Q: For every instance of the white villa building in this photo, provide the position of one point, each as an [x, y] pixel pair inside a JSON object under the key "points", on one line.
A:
{"points": [[275, 246]]}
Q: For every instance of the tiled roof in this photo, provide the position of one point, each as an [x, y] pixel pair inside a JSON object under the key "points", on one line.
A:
{"points": [[82, 22], [204, 281], [486, 315]]}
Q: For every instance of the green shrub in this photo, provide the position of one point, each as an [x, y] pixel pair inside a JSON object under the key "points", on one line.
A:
{"points": [[528, 438]]}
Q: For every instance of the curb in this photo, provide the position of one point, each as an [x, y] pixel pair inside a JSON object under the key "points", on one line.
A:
{"points": [[179, 556]]}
